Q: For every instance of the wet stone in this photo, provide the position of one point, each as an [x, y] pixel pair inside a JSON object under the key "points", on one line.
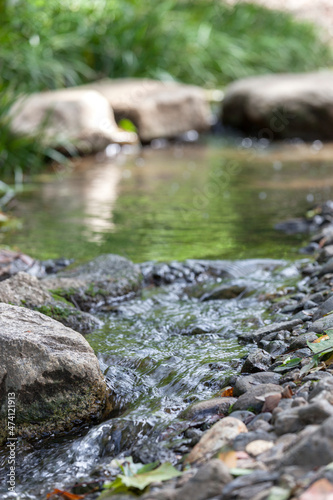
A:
{"points": [[215, 406], [325, 308], [295, 419], [249, 401], [258, 361], [248, 382], [243, 416], [247, 487], [301, 341], [274, 327], [275, 347]]}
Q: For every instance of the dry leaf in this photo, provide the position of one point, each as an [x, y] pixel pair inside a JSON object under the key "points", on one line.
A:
{"points": [[229, 458], [227, 392], [329, 361], [271, 402], [320, 339], [287, 393], [64, 494], [320, 490]]}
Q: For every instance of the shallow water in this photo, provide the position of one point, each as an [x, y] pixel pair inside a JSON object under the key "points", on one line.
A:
{"points": [[203, 201], [186, 202], [156, 363]]}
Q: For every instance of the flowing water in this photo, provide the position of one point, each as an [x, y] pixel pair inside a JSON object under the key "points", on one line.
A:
{"points": [[167, 347]]}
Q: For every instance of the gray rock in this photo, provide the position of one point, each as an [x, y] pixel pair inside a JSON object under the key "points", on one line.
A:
{"points": [[266, 330], [322, 324], [322, 390], [249, 401], [246, 487], [288, 105], [246, 383], [312, 450], [301, 341], [53, 372], [25, 290], [296, 418], [275, 347], [260, 425], [325, 254], [257, 361], [207, 482], [319, 375], [243, 416], [203, 409], [325, 308], [242, 440], [326, 268], [95, 285]]}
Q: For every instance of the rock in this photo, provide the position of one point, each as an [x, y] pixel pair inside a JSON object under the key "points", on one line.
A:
{"points": [[246, 487], [257, 361], [275, 348], [207, 482], [325, 254], [326, 268], [255, 448], [223, 292], [13, 262], [244, 416], [242, 440], [75, 115], [95, 285], [325, 308], [249, 401], [301, 341], [265, 330], [296, 418], [246, 383], [53, 372], [220, 434], [314, 449], [322, 324], [322, 390], [215, 406], [25, 290], [158, 109], [260, 425], [283, 106]]}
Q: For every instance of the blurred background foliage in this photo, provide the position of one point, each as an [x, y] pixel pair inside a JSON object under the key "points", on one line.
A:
{"points": [[49, 44]]}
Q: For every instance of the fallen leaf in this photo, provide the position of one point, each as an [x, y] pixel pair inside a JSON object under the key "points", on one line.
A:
{"points": [[287, 393], [271, 402], [64, 494], [229, 458], [227, 392], [320, 339], [320, 490], [329, 361]]}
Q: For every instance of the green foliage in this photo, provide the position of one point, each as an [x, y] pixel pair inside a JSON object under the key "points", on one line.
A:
{"points": [[136, 477], [51, 44]]}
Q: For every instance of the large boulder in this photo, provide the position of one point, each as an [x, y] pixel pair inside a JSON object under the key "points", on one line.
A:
{"points": [[95, 285], [158, 109], [282, 106], [52, 372], [75, 116]]}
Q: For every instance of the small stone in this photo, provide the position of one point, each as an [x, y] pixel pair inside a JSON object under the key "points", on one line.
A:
{"points": [[258, 361], [215, 406], [320, 325], [223, 292], [219, 435], [255, 448], [248, 382], [325, 254], [275, 327], [244, 416], [322, 390], [315, 449], [249, 399], [295, 419], [325, 308], [301, 341], [242, 440], [246, 487]]}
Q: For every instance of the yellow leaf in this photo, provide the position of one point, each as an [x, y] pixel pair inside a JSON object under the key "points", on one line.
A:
{"points": [[229, 458], [320, 339]]}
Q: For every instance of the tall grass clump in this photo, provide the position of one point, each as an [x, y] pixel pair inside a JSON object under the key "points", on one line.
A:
{"points": [[48, 44]]}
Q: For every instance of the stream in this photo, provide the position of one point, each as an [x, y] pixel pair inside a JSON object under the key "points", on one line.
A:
{"points": [[173, 344]]}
